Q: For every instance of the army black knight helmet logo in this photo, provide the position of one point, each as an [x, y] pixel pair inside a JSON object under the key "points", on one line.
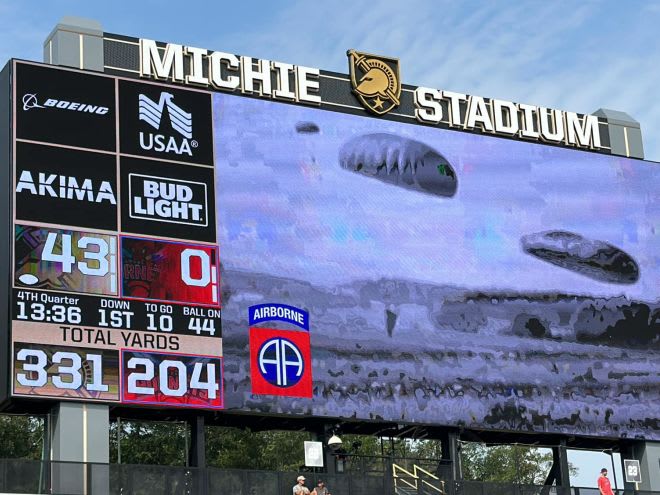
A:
{"points": [[375, 81]]}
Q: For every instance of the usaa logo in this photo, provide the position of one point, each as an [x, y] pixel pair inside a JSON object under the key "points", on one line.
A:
{"points": [[151, 112], [375, 80]]}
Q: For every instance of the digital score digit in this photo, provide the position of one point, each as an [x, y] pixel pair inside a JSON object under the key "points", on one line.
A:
{"points": [[171, 379], [65, 372], [65, 260], [169, 271]]}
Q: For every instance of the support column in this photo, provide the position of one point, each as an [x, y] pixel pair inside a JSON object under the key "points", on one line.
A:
{"points": [[329, 459], [80, 434], [623, 132], [560, 458], [75, 42], [449, 443], [197, 453], [648, 455]]}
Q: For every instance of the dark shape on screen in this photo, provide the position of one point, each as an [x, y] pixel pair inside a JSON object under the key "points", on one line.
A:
{"points": [[391, 321], [595, 259], [307, 128], [400, 161]]}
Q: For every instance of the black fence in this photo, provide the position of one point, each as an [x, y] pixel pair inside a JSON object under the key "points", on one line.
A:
{"points": [[70, 478]]}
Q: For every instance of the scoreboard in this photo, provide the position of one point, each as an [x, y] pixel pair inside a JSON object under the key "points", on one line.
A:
{"points": [[115, 268], [175, 245]]}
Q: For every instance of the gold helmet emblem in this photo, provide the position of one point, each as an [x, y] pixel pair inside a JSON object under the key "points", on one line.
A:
{"points": [[375, 81]]}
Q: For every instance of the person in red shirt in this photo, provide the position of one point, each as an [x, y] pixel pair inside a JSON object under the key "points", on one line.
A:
{"points": [[604, 483]]}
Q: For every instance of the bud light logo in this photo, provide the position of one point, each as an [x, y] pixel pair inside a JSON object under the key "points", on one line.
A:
{"points": [[280, 362]]}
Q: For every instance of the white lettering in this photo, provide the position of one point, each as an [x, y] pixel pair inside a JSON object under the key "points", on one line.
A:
{"points": [[251, 74], [65, 187], [552, 124], [427, 105], [196, 75], [216, 61], [283, 90], [582, 132], [505, 114], [478, 113], [454, 107], [152, 65], [307, 85]]}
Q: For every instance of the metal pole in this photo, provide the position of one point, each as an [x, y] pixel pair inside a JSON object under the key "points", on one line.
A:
{"points": [[118, 440], [613, 470]]}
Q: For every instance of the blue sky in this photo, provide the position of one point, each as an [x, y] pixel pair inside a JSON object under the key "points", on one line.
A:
{"points": [[576, 56]]}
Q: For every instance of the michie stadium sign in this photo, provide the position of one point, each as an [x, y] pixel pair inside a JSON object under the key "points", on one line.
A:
{"points": [[187, 228], [380, 78]]}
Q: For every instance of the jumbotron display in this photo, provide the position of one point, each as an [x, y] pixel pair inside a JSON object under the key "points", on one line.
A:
{"points": [[451, 278], [186, 248]]}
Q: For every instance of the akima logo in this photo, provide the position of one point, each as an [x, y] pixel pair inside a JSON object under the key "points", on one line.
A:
{"points": [[30, 101], [167, 200], [65, 187], [180, 121]]}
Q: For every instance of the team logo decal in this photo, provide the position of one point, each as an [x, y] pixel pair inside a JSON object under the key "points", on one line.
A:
{"points": [[281, 312], [280, 360], [375, 80]]}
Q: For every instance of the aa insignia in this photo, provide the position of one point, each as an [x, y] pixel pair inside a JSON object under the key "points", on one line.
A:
{"points": [[375, 81]]}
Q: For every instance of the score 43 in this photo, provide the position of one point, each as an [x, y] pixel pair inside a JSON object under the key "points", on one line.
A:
{"points": [[87, 262]]}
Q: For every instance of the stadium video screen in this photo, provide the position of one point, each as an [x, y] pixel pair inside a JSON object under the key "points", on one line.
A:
{"points": [[210, 250]]}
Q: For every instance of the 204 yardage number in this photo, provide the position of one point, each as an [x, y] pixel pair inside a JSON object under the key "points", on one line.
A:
{"points": [[146, 371]]}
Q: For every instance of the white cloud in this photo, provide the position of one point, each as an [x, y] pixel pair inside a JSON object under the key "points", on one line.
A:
{"points": [[577, 57]]}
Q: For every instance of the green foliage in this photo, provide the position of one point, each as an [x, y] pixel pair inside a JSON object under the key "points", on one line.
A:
{"points": [[149, 443], [21, 437], [506, 463], [243, 449], [165, 444]]}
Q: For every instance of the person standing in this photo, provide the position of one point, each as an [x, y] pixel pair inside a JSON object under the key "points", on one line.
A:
{"points": [[299, 488], [320, 488], [604, 485]]}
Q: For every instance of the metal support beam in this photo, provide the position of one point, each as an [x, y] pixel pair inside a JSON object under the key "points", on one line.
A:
{"points": [[329, 458], [450, 446], [80, 434], [197, 451]]}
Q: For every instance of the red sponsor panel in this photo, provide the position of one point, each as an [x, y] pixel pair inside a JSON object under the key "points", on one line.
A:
{"points": [[167, 271], [173, 380], [280, 362]]}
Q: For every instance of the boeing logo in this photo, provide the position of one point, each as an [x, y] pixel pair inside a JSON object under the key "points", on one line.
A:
{"points": [[281, 362], [30, 101], [180, 121]]}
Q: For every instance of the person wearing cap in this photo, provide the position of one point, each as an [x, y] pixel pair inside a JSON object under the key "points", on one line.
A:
{"points": [[320, 488], [604, 485], [299, 488]]}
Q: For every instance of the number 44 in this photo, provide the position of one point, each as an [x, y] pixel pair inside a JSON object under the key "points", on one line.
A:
{"points": [[199, 325]]}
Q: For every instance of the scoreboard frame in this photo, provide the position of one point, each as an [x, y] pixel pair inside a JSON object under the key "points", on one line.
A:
{"points": [[87, 284]]}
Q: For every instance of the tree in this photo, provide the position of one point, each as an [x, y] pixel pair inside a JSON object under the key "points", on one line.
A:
{"points": [[243, 449], [149, 443], [21, 437], [506, 463]]}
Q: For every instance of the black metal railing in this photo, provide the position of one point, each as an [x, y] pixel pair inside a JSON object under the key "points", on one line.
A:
{"points": [[21, 476]]}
